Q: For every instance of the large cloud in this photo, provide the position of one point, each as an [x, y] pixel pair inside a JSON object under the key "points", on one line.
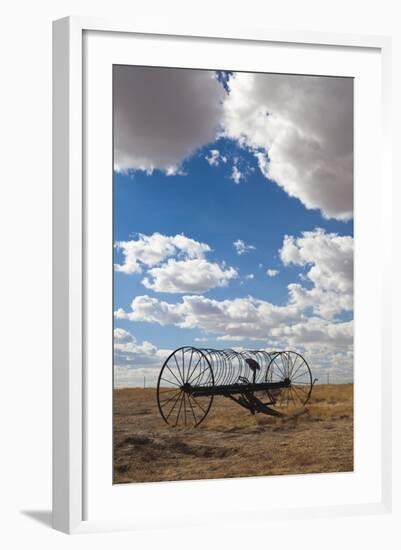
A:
{"points": [[300, 128], [330, 260], [163, 115], [246, 317]]}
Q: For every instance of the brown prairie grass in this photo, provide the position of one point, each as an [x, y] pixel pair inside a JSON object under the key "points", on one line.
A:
{"points": [[231, 442]]}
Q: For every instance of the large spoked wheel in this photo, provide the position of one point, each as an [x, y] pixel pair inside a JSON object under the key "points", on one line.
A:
{"points": [[184, 371], [290, 366]]}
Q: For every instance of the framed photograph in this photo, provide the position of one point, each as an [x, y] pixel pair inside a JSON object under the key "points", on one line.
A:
{"points": [[220, 323]]}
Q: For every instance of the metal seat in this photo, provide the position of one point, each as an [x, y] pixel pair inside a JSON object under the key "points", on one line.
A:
{"points": [[253, 365]]}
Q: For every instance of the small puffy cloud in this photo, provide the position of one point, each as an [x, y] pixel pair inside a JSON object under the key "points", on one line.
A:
{"points": [[241, 247], [146, 308], [228, 338], [162, 115], [300, 129], [215, 157], [272, 272], [122, 337], [120, 313], [150, 250], [249, 277], [197, 275], [175, 171], [236, 175]]}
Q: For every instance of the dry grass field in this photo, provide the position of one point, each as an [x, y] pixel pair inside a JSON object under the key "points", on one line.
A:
{"points": [[231, 442]]}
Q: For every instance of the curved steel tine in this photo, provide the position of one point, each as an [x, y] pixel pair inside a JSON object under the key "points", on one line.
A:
{"points": [[222, 367], [227, 369]]}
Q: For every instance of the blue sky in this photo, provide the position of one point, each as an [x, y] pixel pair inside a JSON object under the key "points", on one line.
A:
{"points": [[221, 193]]}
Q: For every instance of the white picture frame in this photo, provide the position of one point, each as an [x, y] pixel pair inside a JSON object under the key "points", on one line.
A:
{"points": [[70, 424]]}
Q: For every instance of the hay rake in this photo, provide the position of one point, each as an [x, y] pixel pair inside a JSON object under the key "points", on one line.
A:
{"points": [[267, 382]]}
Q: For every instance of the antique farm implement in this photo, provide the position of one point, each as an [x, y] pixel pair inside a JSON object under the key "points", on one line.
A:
{"points": [[260, 381]]}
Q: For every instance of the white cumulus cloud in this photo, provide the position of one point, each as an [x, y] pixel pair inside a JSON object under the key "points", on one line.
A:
{"points": [[245, 317], [272, 272], [281, 327], [329, 258], [236, 175], [197, 275], [215, 157], [300, 129], [241, 247], [150, 250], [173, 264]]}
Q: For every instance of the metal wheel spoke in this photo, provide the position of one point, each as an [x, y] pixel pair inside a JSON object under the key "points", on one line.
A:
{"points": [[179, 410], [281, 372], [189, 366], [283, 364], [296, 392], [179, 383], [204, 370], [193, 370], [198, 405], [293, 366], [170, 382], [169, 399], [164, 390], [303, 391], [301, 375], [299, 367], [174, 405], [192, 409], [185, 411], [182, 378]]}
